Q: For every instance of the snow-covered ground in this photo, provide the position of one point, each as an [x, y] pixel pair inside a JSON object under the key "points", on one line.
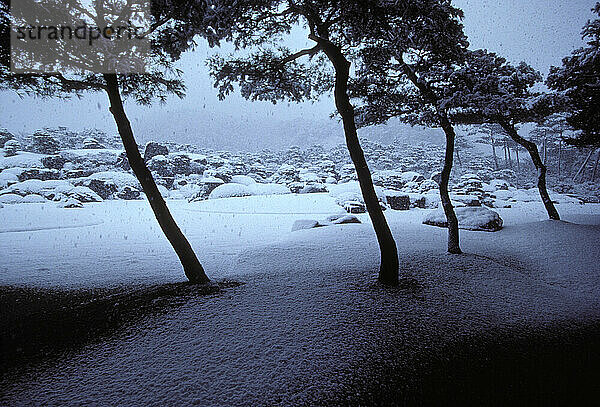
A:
{"points": [[309, 326], [116, 242]]}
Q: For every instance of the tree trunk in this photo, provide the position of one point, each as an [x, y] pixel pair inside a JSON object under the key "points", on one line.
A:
{"points": [[453, 232], [505, 156], [582, 168], [596, 166], [509, 157], [388, 270], [559, 156], [494, 151], [539, 165], [545, 152], [191, 266], [518, 161], [458, 158]]}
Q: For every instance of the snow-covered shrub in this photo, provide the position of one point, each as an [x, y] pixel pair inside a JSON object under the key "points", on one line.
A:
{"points": [[468, 218], [128, 193], [230, 191], [43, 143], [347, 173], [11, 147], [153, 149], [5, 135], [54, 162], [90, 143], [43, 174]]}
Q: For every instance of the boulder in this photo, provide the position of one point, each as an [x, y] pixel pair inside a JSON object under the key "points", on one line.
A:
{"points": [[470, 218]]}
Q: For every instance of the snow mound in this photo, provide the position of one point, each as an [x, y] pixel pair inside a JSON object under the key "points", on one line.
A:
{"points": [[22, 159], [120, 178], [242, 180], [48, 189], [7, 178], [11, 199], [33, 198], [470, 218], [269, 189], [305, 224], [230, 191]]}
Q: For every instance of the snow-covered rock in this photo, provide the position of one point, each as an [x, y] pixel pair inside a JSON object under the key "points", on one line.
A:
{"points": [[470, 218]]}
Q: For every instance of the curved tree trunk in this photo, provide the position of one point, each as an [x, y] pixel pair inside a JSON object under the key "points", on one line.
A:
{"points": [[388, 270], [453, 232], [539, 165], [191, 266]]}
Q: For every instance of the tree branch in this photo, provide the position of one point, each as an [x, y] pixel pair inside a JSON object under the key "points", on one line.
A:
{"points": [[308, 51]]}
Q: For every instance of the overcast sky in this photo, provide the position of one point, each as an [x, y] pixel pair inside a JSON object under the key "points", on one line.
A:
{"points": [[540, 32]]}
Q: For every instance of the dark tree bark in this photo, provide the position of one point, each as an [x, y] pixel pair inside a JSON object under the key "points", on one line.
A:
{"points": [[453, 231], [508, 152], [518, 161], [492, 141], [458, 157], [582, 168], [191, 266], [596, 166], [539, 165], [559, 155], [388, 270]]}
